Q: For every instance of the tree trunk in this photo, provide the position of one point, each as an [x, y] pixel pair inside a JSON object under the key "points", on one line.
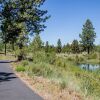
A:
{"points": [[13, 48], [5, 45], [5, 49], [88, 50]]}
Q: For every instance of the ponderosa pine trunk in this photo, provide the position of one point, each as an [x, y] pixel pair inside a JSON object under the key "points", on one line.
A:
{"points": [[5, 49], [13, 48], [88, 50]]}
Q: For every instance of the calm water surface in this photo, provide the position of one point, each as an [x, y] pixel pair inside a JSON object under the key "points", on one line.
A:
{"points": [[90, 67]]}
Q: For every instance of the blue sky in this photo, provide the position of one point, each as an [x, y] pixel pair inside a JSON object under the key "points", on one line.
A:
{"points": [[68, 17]]}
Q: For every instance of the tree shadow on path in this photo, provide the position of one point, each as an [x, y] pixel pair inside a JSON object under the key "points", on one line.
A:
{"points": [[6, 76], [7, 61]]}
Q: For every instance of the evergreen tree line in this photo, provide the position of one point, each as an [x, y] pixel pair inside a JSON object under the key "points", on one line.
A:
{"points": [[20, 19], [86, 43]]}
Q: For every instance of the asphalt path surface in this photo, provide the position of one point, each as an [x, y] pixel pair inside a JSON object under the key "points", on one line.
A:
{"points": [[11, 87]]}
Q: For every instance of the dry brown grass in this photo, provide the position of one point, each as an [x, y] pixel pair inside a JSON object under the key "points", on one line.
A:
{"points": [[49, 90]]}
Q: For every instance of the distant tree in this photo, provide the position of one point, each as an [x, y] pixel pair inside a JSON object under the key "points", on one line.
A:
{"points": [[97, 49], [81, 48], [66, 48], [59, 46], [75, 46], [47, 47], [52, 48], [37, 43], [88, 36]]}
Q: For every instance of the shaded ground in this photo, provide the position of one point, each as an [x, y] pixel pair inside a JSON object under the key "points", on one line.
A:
{"points": [[11, 87], [6, 76]]}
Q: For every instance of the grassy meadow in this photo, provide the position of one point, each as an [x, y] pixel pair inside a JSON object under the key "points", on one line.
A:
{"points": [[63, 69]]}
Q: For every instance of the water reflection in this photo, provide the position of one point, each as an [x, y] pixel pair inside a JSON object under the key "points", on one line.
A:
{"points": [[90, 67]]}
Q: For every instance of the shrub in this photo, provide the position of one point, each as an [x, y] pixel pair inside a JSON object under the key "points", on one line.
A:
{"points": [[51, 57], [63, 84], [24, 63], [41, 69], [78, 59], [58, 62], [20, 69], [21, 53], [70, 59], [39, 56], [81, 59], [92, 56]]}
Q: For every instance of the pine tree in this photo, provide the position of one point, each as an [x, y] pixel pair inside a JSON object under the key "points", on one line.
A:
{"points": [[88, 36], [59, 46], [66, 48], [20, 18], [75, 46], [47, 47], [37, 43]]}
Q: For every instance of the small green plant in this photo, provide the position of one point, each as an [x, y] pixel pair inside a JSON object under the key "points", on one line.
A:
{"points": [[20, 69], [63, 84]]}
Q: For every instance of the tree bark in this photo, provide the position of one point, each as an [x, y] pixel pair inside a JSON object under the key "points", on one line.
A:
{"points": [[13, 48], [5, 45], [5, 49], [88, 50]]}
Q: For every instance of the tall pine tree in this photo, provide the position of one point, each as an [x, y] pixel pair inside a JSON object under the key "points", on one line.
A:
{"points": [[88, 36], [21, 17]]}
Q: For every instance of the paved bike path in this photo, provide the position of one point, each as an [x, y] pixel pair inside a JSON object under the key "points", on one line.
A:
{"points": [[11, 87]]}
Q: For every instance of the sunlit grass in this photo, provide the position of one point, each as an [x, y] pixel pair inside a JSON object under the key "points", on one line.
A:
{"points": [[7, 57], [65, 72]]}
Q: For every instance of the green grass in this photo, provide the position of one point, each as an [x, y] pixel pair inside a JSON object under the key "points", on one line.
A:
{"points": [[20, 68], [65, 72], [7, 57]]}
